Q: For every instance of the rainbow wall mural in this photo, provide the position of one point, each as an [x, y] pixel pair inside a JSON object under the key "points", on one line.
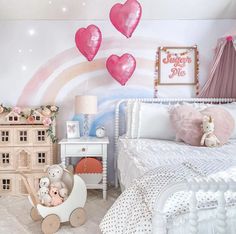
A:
{"points": [[67, 74]]}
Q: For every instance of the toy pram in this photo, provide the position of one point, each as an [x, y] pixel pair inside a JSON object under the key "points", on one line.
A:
{"points": [[70, 210]]}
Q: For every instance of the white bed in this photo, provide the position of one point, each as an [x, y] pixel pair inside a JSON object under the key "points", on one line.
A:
{"points": [[160, 175], [137, 156]]}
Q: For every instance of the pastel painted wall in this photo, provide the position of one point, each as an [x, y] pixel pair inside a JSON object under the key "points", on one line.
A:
{"points": [[98, 9], [40, 64]]}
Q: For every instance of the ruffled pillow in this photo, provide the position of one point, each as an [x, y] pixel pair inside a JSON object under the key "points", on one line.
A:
{"points": [[187, 122]]}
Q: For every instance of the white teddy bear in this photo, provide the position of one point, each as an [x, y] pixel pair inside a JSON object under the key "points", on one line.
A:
{"points": [[44, 182], [209, 139], [44, 197], [55, 173]]}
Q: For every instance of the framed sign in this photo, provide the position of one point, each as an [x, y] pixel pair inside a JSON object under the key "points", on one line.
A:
{"points": [[177, 66], [72, 129]]}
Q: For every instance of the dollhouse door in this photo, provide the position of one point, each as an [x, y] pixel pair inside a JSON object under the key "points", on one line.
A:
{"points": [[23, 160]]}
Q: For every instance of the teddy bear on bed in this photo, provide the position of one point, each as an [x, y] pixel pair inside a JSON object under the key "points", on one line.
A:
{"points": [[55, 173], [209, 139]]}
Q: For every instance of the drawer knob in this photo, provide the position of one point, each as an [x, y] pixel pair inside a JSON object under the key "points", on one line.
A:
{"points": [[83, 149]]}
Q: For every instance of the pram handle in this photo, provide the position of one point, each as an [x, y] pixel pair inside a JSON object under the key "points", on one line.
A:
{"points": [[30, 189]]}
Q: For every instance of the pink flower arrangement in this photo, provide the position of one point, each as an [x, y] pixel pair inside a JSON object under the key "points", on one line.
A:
{"points": [[30, 119], [47, 122], [17, 110], [54, 108]]}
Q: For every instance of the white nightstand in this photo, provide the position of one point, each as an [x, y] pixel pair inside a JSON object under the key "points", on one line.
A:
{"points": [[87, 147]]}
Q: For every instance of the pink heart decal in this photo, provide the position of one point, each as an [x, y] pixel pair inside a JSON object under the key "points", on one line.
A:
{"points": [[121, 68], [125, 17], [88, 41]]}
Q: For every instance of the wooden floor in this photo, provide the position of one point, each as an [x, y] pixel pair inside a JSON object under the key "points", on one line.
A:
{"points": [[15, 218]]}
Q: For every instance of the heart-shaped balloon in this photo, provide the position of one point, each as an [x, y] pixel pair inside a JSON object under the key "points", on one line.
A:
{"points": [[88, 41], [121, 68], [125, 17]]}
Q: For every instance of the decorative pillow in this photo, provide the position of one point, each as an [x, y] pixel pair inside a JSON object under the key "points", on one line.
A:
{"points": [[132, 119], [224, 122], [154, 122], [129, 118], [231, 108], [187, 122]]}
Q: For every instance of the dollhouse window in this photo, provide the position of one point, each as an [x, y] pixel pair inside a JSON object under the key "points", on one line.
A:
{"points": [[13, 118], [41, 135], [5, 136], [41, 158], [6, 184], [5, 159], [37, 118], [23, 135]]}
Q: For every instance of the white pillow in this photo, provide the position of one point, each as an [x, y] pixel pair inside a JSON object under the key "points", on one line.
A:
{"points": [[154, 122], [148, 121], [129, 109], [132, 119]]}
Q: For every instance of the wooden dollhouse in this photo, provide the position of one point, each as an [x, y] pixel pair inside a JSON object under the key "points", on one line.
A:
{"points": [[26, 146]]}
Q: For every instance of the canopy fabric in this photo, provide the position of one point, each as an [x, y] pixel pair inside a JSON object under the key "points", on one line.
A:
{"points": [[222, 78]]}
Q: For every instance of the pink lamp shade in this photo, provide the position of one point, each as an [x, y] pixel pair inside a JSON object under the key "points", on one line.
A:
{"points": [[86, 104]]}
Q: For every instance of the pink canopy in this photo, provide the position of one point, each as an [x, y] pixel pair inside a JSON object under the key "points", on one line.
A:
{"points": [[222, 78]]}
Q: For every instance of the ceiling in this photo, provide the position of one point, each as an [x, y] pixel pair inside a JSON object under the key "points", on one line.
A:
{"points": [[99, 9]]}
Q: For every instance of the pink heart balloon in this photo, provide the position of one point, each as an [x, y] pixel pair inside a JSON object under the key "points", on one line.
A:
{"points": [[88, 41], [121, 68], [125, 17]]}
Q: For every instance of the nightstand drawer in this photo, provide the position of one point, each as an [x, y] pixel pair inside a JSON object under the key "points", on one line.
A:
{"points": [[84, 150]]}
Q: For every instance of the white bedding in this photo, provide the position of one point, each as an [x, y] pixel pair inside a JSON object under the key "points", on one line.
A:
{"points": [[137, 156], [133, 210]]}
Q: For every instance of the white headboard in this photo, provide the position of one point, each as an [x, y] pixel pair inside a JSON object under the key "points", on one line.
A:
{"points": [[157, 100]]}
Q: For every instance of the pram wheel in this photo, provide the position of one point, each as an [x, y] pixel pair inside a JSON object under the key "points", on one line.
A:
{"points": [[77, 217], [50, 224], [34, 214]]}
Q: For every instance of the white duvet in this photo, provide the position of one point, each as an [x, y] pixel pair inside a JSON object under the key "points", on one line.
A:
{"points": [[137, 156]]}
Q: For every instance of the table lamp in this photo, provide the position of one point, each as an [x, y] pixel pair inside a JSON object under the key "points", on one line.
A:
{"points": [[86, 105]]}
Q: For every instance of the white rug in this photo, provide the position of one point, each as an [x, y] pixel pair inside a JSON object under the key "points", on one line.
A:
{"points": [[15, 214]]}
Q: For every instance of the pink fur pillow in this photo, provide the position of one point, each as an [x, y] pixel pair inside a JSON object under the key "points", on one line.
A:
{"points": [[187, 122]]}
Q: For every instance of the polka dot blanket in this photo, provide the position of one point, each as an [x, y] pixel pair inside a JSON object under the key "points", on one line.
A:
{"points": [[133, 210]]}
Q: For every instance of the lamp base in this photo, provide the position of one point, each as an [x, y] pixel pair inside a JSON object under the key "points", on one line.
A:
{"points": [[86, 126]]}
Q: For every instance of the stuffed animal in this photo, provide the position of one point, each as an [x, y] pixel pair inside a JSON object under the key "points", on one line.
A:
{"points": [[44, 197], [56, 199], [44, 182], [63, 193], [55, 173], [209, 139]]}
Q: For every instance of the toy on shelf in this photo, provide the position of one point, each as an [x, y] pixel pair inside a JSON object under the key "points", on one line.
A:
{"points": [[90, 170], [70, 210]]}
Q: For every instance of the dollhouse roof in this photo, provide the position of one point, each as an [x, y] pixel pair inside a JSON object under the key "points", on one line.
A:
{"points": [[12, 113], [38, 113]]}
